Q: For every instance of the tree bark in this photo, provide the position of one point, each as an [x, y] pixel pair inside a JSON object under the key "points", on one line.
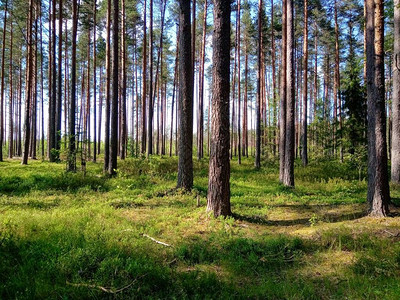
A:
{"points": [[72, 139], [124, 125], [10, 100], [304, 139], [288, 176], [94, 81], [257, 162], [29, 76], [282, 143], [185, 162], [112, 167], [108, 92], [378, 183], [150, 102], [395, 151], [3, 51], [218, 200], [239, 94]]}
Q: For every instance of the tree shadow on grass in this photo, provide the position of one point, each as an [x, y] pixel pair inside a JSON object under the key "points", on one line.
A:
{"points": [[327, 217]]}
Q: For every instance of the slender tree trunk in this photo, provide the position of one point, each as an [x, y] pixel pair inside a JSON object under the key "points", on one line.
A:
{"points": [[112, 167], [282, 134], [28, 94], [42, 83], [108, 92], [100, 110], [259, 96], [3, 51], [304, 137], [124, 126], [200, 133], [288, 176], [239, 83], [174, 90], [378, 183], [87, 113], [395, 149], [245, 104], [72, 112], [185, 162], [94, 81], [274, 95], [52, 128], [144, 83], [10, 100], [59, 79], [151, 104]]}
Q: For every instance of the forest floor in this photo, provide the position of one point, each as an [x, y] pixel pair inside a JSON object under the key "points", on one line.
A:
{"points": [[73, 236]]}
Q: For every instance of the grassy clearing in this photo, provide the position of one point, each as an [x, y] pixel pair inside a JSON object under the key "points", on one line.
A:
{"points": [[72, 236]]}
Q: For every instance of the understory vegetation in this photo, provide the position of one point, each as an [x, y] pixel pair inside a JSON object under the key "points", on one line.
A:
{"points": [[72, 236]]}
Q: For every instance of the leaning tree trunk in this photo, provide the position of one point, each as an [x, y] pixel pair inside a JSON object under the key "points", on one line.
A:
{"points": [[218, 200], [395, 168], [185, 162]]}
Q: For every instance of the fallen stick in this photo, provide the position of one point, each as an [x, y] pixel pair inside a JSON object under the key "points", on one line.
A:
{"points": [[102, 288], [156, 241]]}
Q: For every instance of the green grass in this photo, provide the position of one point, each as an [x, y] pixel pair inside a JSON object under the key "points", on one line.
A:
{"points": [[72, 236]]}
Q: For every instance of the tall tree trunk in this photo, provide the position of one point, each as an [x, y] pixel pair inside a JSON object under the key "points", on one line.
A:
{"points": [[59, 79], [288, 176], [3, 51], [10, 100], [304, 139], [151, 104], [200, 131], [174, 91], [245, 104], [112, 167], [94, 81], [144, 80], [87, 113], [124, 125], [108, 92], [239, 83], [218, 199], [28, 93], [282, 133], [395, 167], [378, 182], [52, 128], [274, 95], [185, 162], [257, 162], [72, 108]]}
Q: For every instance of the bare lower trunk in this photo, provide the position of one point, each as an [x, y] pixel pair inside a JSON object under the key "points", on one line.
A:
{"points": [[218, 200], [185, 162]]}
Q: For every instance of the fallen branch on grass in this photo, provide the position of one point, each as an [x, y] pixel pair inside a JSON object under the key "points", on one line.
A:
{"points": [[156, 241], [104, 289]]}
